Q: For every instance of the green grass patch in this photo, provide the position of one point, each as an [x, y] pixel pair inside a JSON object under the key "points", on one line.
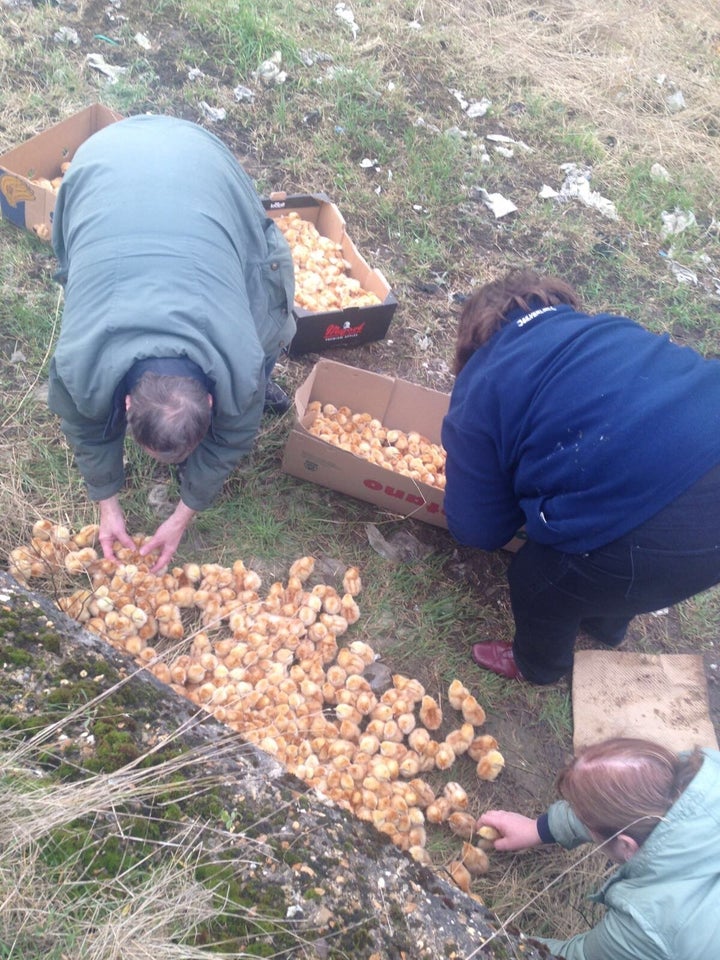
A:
{"points": [[245, 33], [700, 619]]}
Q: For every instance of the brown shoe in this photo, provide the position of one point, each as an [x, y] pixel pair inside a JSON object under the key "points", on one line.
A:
{"points": [[498, 658]]}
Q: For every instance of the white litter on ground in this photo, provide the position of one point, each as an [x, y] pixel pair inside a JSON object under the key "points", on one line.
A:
{"points": [[676, 221], [343, 11], [269, 71], [98, 62], [546, 192], [501, 138], [496, 203], [215, 114], [576, 186], [658, 172]]}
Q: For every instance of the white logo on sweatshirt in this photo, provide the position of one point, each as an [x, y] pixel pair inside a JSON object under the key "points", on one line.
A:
{"points": [[531, 316]]}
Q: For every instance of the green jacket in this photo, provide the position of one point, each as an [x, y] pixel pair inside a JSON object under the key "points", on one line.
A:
{"points": [[165, 250], [663, 903]]}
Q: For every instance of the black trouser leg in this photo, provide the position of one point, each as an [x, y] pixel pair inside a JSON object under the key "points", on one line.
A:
{"points": [[669, 558]]}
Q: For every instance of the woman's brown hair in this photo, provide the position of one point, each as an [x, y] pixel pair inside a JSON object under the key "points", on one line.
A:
{"points": [[625, 785], [485, 312], [168, 415]]}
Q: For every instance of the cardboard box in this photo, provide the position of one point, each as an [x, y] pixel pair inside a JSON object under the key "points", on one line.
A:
{"points": [[23, 202], [397, 404], [337, 328]]}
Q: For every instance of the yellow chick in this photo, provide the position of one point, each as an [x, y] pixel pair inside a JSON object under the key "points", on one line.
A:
{"points": [[430, 713], [475, 859], [460, 875], [490, 766], [457, 691]]}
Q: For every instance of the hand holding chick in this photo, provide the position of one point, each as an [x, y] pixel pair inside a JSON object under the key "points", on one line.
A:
{"points": [[515, 832]]}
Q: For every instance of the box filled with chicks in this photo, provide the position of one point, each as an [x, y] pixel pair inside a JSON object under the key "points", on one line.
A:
{"points": [[30, 174], [340, 301], [370, 436], [373, 437]]}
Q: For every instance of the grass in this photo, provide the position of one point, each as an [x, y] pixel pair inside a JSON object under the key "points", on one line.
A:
{"points": [[700, 618], [244, 33], [647, 193], [96, 886], [575, 88], [535, 871], [554, 711]]}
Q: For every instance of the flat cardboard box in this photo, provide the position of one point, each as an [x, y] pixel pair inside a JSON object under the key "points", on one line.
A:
{"points": [[661, 697], [336, 328], [23, 202], [398, 404]]}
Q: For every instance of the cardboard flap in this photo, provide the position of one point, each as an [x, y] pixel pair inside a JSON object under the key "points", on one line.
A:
{"points": [[349, 386], [42, 155], [412, 407]]}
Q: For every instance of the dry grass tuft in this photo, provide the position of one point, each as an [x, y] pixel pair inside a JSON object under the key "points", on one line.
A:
{"points": [[152, 907], [546, 891], [604, 62]]}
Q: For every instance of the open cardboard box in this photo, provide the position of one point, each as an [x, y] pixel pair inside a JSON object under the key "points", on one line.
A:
{"points": [[336, 328], [397, 404], [25, 203]]}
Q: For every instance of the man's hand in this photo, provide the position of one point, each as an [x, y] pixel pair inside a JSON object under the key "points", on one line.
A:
{"points": [[516, 831], [112, 528], [167, 537]]}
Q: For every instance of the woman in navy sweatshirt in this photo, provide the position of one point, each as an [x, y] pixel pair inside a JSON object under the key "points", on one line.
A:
{"points": [[602, 440]]}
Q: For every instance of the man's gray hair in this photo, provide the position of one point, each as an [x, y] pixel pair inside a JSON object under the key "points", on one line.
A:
{"points": [[168, 416]]}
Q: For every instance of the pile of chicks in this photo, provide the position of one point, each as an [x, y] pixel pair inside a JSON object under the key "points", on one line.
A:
{"points": [[322, 282], [271, 668], [409, 454]]}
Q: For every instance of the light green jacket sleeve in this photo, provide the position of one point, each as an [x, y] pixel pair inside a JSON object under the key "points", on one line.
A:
{"points": [[565, 827], [618, 936]]}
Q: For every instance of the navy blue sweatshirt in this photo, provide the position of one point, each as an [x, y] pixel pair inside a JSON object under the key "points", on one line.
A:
{"points": [[578, 427]]}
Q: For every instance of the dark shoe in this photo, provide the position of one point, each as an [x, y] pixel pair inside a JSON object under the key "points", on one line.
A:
{"points": [[276, 400], [498, 658]]}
